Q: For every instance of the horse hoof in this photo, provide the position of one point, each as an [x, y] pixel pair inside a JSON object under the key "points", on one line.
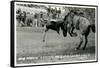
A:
{"points": [[83, 48], [43, 40], [74, 35], [77, 48]]}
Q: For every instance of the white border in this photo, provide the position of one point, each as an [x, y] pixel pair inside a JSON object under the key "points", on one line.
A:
{"points": [[55, 62]]}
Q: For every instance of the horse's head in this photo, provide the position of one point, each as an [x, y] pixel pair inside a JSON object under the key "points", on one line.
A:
{"points": [[72, 13]]}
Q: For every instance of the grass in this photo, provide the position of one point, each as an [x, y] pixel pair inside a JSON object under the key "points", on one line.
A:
{"points": [[29, 44]]}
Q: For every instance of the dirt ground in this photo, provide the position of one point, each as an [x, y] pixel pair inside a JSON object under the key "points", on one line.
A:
{"points": [[31, 49]]}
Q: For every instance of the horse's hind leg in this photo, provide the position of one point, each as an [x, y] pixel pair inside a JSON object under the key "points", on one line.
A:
{"points": [[86, 35], [81, 41], [86, 40]]}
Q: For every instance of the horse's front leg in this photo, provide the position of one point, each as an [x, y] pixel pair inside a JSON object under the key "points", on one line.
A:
{"points": [[69, 30], [74, 34], [44, 35], [81, 41], [58, 29]]}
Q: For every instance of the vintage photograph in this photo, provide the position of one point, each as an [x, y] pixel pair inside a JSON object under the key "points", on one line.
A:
{"points": [[50, 33]]}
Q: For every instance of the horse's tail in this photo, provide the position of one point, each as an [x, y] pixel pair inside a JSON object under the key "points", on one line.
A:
{"points": [[92, 26]]}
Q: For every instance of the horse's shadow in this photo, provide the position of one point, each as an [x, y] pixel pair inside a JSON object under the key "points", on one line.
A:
{"points": [[88, 50]]}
